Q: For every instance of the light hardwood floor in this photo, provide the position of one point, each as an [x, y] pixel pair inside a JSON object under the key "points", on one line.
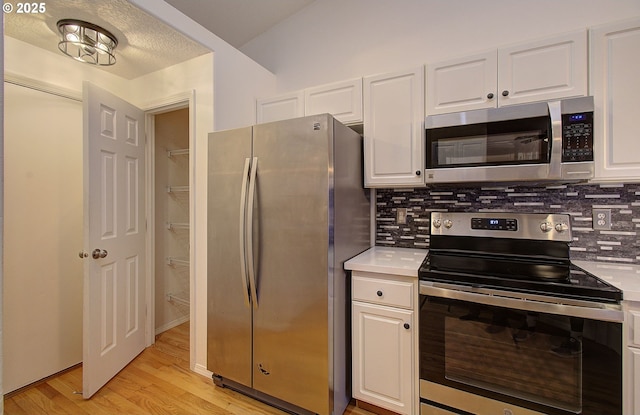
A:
{"points": [[157, 382]]}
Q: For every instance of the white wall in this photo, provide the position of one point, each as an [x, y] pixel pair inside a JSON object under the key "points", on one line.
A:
{"points": [[238, 80], [42, 307], [333, 40], [56, 69]]}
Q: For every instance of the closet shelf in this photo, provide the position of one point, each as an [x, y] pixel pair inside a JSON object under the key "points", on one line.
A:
{"points": [[177, 261], [172, 298], [179, 152], [175, 189]]}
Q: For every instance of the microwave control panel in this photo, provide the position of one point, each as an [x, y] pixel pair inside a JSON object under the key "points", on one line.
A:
{"points": [[577, 137]]}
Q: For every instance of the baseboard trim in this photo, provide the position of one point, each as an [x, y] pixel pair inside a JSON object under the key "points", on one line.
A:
{"points": [[172, 324], [40, 381]]}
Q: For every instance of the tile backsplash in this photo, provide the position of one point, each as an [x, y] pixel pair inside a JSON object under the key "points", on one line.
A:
{"points": [[618, 245]]}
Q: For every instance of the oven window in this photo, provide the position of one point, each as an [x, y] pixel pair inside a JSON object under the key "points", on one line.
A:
{"points": [[545, 362], [499, 143]]}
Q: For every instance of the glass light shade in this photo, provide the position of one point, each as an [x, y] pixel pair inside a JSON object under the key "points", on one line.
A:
{"points": [[87, 42]]}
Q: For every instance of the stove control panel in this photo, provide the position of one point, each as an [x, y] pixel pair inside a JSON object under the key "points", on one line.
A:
{"points": [[495, 224], [502, 225]]}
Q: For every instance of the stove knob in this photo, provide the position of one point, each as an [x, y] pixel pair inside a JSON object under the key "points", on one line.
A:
{"points": [[561, 227], [436, 223], [448, 223], [546, 226]]}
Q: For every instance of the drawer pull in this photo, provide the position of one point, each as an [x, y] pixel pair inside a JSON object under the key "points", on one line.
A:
{"points": [[407, 326], [379, 293]]}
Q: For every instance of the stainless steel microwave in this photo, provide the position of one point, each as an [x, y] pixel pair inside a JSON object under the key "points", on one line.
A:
{"points": [[541, 142]]}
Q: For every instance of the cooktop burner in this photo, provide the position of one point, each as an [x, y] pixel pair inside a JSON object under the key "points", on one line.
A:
{"points": [[513, 252], [577, 283]]}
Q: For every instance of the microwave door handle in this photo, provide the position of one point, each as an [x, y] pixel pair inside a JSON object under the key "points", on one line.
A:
{"points": [[555, 162], [249, 241], [243, 222]]}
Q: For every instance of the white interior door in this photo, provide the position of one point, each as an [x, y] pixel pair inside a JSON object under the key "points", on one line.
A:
{"points": [[114, 236]]}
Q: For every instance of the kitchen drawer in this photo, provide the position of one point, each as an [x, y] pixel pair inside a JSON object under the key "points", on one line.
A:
{"points": [[383, 291]]}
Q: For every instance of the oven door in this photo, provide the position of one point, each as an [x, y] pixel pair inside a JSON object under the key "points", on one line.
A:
{"points": [[484, 351]]}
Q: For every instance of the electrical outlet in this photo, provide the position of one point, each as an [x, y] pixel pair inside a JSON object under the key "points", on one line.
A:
{"points": [[401, 216], [601, 219]]}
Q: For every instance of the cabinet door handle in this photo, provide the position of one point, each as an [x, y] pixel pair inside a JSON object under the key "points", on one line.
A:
{"points": [[490, 95], [379, 293], [407, 326], [418, 173], [505, 93]]}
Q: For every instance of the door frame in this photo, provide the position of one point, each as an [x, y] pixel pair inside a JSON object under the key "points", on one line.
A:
{"points": [[156, 107]]}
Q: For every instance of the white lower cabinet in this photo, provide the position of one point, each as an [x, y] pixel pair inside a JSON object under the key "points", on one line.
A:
{"points": [[631, 359], [384, 341], [633, 387]]}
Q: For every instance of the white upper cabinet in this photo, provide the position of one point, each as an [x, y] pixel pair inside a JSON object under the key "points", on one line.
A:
{"points": [[281, 107], [394, 129], [551, 68], [343, 100], [462, 84], [615, 86], [546, 69]]}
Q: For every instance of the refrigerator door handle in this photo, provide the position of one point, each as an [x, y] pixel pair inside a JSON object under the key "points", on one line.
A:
{"points": [[249, 231], [243, 220]]}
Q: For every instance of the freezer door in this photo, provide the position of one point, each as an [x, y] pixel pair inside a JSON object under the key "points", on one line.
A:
{"points": [[228, 310], [291, 321]]}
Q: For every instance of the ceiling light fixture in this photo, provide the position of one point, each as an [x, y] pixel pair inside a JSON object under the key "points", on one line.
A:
{"points": [[87, 42]]}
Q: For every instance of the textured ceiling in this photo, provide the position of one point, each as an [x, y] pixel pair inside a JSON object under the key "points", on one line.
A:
{"points": [[145, 44]]}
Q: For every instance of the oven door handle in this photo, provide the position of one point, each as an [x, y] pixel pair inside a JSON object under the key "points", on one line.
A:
{"points": [[524, 301]]}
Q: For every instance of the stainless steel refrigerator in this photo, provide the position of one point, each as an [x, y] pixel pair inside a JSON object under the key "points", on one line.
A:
{"points": [[286, 208]]}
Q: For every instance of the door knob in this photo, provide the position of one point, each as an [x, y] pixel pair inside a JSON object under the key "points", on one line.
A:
{"points": [[83, 254], [99, 253]]}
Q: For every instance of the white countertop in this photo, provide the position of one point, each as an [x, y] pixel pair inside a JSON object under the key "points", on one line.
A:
{"points": [[622, 276], [381, 259]]}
